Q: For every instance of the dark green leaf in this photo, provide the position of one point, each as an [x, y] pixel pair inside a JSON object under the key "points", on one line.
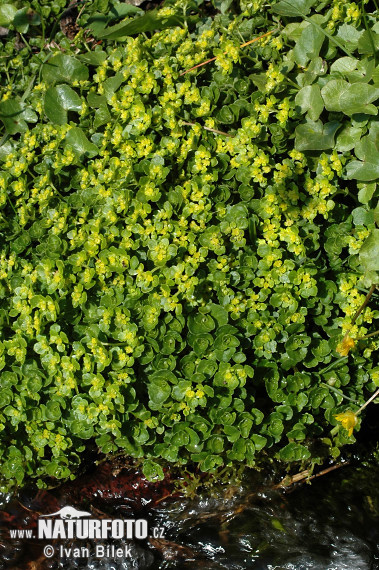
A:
{"points": [[59, 100], [64, 68], [315, 135], [79, 143]]}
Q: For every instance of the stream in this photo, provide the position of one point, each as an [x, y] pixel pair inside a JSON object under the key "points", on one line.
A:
{"points": [[328, 524]]}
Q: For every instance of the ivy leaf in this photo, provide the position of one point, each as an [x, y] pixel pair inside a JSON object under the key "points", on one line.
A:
{"points": [[349, 34], [94, 58], [315, 135], [357, 99], [59, 100]]}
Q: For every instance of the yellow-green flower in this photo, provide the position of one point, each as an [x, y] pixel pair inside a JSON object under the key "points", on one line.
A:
{"points": [[345, 346], [348, 419]]}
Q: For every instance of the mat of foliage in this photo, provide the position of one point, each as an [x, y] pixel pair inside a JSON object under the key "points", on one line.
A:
{"points": [[182, 253]]}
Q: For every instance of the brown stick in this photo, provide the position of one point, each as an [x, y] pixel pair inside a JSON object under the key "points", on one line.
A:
{"points": [[214, 58], [207, 128], [301, 477], [364, 304]]}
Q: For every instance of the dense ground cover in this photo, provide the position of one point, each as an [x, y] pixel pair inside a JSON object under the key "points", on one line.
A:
{"points": [[183, 254]]}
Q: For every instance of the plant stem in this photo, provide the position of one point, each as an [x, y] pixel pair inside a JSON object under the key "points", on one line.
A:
{"points": [[364, 304], [26, 42], [369, 335], [368, 401], [337, 391], [333, 365]]}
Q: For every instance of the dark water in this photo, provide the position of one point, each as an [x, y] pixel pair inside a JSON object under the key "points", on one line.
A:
{"points": [[330, 524]]}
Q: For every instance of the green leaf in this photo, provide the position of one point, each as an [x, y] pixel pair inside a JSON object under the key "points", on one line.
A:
{"points": [[367, 168], [79, 143], [149, 22], [276, 427], [309, 44], [315, 135], [238, 450], [82, 429], [220, 314], [24, 18], [349, 34], [368, 42], [98, 21], [310, 101], [294, 452], [363, 216], [369, 252], [6, 396], [159, 391], [215, 444], [259, 441], [5, 149], [366, 192], [344, 64], [11, 116], [112, 84], [232, 433], [64, 68], [180, 438], [322, 349], [94, 58], [152, 470], [348, 138], [53, 410], [294, 8], [339, 95], [21, 243], [357, 99], [59, 100], [222, 5], [200, 324], [7, 14]]}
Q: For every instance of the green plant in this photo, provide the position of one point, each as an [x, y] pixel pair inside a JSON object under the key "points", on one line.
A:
{"points": [[182, 254]]}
